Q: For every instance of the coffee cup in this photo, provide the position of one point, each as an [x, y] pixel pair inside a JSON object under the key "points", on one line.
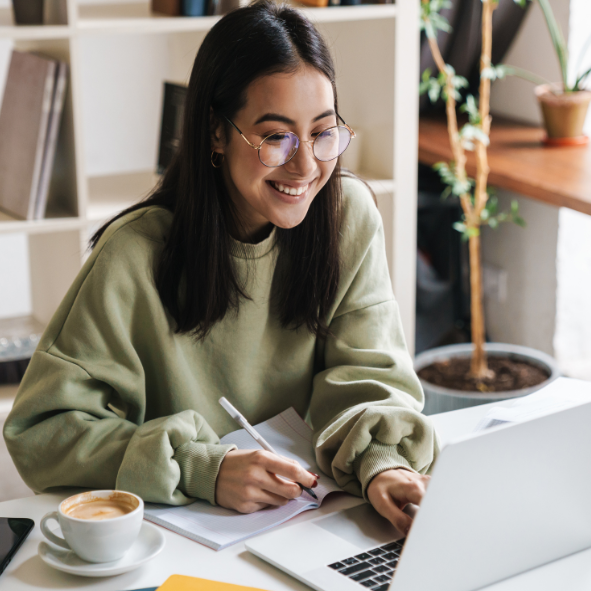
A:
{"points": [[99, 526]]}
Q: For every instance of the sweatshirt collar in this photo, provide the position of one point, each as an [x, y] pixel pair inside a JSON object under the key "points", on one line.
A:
{"points": [[245, 250]]}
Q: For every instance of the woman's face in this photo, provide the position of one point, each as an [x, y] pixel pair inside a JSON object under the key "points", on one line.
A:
{"points": [[301, 102]]}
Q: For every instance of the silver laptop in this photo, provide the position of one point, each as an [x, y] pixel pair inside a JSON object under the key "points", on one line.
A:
{"points": [[500, 502]]}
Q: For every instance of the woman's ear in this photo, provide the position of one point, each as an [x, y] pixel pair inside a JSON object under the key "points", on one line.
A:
{"points": [[217, 132]]}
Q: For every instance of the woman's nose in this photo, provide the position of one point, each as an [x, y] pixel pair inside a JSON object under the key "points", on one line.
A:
{"points": [[304, 162]]}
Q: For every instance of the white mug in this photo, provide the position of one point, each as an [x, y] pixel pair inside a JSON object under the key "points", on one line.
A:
{"points": [[96, 540]]}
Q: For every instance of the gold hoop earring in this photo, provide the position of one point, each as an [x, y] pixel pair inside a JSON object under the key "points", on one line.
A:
{"points": [[217, 163]]}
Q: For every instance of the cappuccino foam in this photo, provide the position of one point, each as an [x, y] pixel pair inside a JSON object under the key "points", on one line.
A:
{"points": [[99, 509]]}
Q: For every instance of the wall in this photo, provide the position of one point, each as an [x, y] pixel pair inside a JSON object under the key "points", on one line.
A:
{"points": [[572, 340], [528, 256]]}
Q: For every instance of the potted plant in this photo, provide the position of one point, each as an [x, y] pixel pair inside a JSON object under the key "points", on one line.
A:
{"points": [[457, 376], [564, 105]]}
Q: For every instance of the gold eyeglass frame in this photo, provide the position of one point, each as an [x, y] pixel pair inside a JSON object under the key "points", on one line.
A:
{"points": [[258, 148]]}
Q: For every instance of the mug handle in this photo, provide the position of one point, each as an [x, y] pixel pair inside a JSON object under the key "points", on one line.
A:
{"points": [[49, 534]]}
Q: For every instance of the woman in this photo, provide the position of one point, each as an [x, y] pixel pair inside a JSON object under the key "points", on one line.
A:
{"points": [[255, 272]]}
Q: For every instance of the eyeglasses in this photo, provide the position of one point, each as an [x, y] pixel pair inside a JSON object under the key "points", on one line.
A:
{"points": [[279, 148]]}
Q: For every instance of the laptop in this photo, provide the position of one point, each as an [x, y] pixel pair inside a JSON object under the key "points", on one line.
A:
{"points": [[500, 502]]}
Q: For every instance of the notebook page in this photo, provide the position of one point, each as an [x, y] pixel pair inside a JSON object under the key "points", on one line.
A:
{"points": [[218, 527]]}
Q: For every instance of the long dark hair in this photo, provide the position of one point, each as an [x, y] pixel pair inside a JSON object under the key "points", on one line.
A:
{"points": [[195, 275]]}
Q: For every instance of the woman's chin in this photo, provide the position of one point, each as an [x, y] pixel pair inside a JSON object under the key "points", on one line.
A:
{"points": [[288, 222]]}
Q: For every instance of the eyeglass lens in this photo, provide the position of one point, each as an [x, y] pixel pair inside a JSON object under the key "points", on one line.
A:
{"points": [[280, 148]]}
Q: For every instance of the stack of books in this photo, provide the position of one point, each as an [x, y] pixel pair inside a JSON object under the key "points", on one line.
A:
{"points": [[29, 129]]}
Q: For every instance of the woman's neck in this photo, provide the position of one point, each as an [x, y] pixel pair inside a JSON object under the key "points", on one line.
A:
{"points": [[251, 235]]}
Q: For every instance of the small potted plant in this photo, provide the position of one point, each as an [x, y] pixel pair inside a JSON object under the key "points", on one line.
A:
{"points": [[457, 376], [563, 104]]}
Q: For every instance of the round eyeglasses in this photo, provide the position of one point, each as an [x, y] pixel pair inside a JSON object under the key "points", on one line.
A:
{"points": [[279, 148]]}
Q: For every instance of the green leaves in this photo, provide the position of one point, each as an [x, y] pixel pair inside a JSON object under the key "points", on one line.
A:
{"points": [[466, 231], [431, 20], [558, 41], [495, 72], [490, 217], [457, 82], [471, 107], [455, 186], [581, 80], [431, 86], [436, 87], [522, 3], [470, 134]]}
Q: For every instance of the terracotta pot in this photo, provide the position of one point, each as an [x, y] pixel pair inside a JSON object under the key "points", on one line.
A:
{"points": [[439, 399], [564, 113]]}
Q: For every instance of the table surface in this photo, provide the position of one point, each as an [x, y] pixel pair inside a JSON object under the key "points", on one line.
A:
{"points": [[519, 162], [235, 564]]}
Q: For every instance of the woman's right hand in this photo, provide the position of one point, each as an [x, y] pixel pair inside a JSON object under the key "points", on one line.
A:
{"points": [[248, 480]]}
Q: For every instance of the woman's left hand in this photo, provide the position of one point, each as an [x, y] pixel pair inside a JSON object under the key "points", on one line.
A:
{"points": [[389, 492]]}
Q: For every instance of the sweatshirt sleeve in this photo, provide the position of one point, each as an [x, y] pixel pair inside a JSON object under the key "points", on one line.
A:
{"points": [[80, 416], [367, 400]]}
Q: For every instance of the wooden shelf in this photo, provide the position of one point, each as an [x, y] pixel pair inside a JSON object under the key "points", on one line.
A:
{"points": [[9, 30], [9, 224], [108, 195], [137, 18], [381, 187], [519, 162]]}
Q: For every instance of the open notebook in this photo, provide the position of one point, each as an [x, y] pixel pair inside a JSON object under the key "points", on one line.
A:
{"points": [[217, 527]]}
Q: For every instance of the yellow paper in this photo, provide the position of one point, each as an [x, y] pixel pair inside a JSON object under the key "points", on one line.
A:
{"points": [[183, 583]]}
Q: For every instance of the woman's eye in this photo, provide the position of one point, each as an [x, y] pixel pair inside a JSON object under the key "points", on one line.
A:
{"points": [[277, 138], [324, 132]]}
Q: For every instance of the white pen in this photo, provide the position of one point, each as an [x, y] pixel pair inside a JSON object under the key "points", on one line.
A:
{"points": [[239, 418]]}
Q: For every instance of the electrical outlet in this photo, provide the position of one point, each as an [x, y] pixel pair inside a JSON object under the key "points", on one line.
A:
{"points": [[494, 283]]}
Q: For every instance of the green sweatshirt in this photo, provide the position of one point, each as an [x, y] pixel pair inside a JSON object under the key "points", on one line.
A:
{"points": [[113, 398]]}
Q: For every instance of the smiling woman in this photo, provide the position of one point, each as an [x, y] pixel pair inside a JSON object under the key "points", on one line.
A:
{"points": [[254, 271]]}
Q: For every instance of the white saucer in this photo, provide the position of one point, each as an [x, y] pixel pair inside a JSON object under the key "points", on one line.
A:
{"points": [[149, 543]]}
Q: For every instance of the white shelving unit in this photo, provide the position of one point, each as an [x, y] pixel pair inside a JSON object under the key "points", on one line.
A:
{"points": [[109, 137]]}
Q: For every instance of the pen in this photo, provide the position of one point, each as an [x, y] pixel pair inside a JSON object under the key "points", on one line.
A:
{"points": [[256, 436]]}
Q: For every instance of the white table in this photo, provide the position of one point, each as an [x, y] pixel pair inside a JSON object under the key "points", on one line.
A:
{"points": [[235, 564]]}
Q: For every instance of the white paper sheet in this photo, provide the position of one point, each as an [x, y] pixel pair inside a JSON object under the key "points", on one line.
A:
{"points": [[217, 527], [561, 394]]}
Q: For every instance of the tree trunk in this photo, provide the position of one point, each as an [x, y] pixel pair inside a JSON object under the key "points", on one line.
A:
{"points": [[479, 368]]}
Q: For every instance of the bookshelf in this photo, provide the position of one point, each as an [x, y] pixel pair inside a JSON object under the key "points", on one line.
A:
{"points": [[108, 140]]}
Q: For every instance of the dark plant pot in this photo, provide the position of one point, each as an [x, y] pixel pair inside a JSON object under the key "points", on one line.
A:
{"points": [[564, 113], [439, 399], [28, 12]]}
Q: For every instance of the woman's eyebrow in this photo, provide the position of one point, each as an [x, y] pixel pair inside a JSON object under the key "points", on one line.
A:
{"points": [[284, 119]]}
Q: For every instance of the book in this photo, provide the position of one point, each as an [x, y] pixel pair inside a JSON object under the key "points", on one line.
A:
{"points": [[171, 124], [24, 119], [169, 7], [28, 12], [184, 583], [218, 527], [195, 7], [55, 12], [57, 107]]}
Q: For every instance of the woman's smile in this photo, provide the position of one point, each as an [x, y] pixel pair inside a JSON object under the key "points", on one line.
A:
{"points": [[290, 192]]}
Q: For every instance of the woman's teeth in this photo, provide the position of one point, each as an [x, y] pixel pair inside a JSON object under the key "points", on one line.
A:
{"points": [[289, 190]]}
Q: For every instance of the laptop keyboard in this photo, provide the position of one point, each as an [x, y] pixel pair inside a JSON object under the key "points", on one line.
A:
{"points": [[374, 568]]}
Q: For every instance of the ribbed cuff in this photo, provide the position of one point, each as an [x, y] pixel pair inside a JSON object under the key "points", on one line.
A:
{"points": [[200, 464], [377, 458]]}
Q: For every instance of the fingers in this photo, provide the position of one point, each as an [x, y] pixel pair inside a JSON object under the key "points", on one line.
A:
{"points": [[414, 489], [386, 507], [287, 468]]}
